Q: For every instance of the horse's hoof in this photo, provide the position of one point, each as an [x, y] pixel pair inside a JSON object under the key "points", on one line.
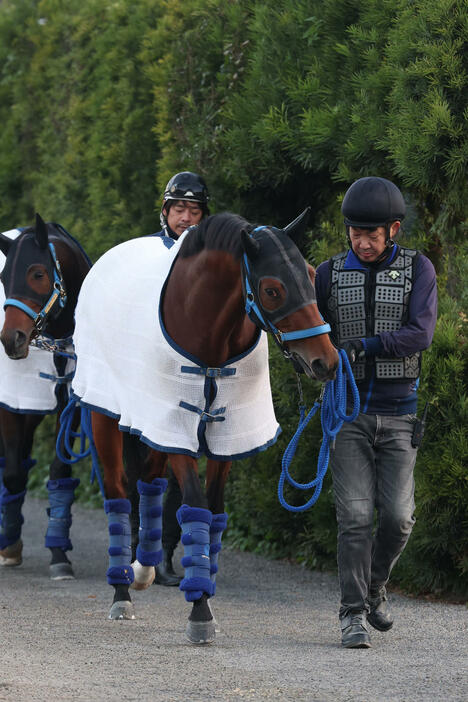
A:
{"points": [[200, 633], [143, 576], [122, 610], [215, 622], [12, 555], [61, 571]]}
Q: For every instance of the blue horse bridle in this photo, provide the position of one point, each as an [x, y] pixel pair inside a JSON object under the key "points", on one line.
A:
{"points": [[256, 315], [58, 294], [253, 311]]}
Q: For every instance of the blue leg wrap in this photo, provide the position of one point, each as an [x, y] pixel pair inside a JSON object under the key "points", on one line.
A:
{"points": [[149, 549], [61, 496], [218, 525], [11, 517], [2, 466], [120, 571], [195, 523], [28, 463]]}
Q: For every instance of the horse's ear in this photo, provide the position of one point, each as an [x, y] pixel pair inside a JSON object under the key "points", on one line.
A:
{"points": [[41, 233], [251, 246], [5, 244], [298, 227]]}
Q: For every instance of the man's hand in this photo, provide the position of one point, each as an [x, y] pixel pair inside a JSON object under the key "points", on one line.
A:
{"points": [[354, 350]]}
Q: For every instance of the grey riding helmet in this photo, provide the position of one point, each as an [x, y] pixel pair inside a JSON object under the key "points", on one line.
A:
{"points": [[185, 186]]}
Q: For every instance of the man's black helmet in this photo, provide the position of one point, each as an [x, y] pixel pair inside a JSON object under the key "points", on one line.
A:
{"points": [[372, 202], [186, 186]]}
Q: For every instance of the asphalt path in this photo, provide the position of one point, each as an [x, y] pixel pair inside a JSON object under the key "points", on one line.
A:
{"points": [[279, 637]]}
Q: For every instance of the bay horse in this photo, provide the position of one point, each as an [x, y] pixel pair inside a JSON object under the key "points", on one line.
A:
{"points": [[43, 272], [229, 281]]}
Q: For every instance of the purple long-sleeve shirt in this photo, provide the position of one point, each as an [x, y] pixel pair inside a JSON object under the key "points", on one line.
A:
{"points": [[384, 397]]}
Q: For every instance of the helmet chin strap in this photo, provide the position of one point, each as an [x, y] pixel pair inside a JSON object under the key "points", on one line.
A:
{"points": [[165, 227], [389, 244]]}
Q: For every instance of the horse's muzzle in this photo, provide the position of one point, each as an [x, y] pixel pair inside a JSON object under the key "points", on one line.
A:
{"points": [[15, 343], [318, 369]]}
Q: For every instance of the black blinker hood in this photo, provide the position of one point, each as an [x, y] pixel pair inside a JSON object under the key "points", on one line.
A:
{"points": [[23, 253], [278, 257]]}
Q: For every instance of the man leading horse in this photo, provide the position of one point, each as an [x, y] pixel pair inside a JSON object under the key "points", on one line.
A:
{"points": [[380, 300]]}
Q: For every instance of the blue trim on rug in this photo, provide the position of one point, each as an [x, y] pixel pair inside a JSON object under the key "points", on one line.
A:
{"points": [[246, 454], [182, 452], [190, 356], [27, 411]]}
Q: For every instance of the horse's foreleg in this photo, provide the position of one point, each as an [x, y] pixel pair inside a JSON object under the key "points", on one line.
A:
{"points": [[61, 488], [17, 437], [109, 444], [195, 521], [216, 476]]}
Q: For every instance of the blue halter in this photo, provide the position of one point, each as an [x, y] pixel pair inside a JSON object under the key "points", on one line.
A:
{"points": [[59, 293], [252, 308], [259, 318]]}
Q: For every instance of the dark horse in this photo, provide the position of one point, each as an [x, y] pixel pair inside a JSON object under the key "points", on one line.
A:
{"points": [[42, 276], [228, 280]]}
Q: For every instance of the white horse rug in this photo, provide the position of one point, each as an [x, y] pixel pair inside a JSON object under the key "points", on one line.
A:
{"points": [[28, 385], [130, 369]]}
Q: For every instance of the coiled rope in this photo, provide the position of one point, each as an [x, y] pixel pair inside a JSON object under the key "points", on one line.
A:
{"points": [[66, 434], [333, 414]]}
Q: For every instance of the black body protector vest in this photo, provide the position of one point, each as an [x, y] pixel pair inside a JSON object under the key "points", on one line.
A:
{"points": [[364, 303]]}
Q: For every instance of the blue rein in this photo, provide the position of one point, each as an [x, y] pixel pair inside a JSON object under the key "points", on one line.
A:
{"points": [[66, 435], [57, 294], [333, 414]]}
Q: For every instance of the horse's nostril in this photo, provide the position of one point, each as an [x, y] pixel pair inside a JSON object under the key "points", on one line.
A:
{"points": [[20, 338], [319, 368]]}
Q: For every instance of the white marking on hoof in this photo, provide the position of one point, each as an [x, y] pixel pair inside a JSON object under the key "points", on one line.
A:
{"points": [[200, 633], [12, 555], [215, 621], [143, 576], [122, 610], [61, 571]]}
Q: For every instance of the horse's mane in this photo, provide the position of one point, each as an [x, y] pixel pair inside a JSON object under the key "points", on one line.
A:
{"points": [[219, 231]]}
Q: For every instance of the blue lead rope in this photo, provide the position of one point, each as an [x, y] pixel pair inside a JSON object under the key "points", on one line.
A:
{"points": [[86, 433], [333, 414]]}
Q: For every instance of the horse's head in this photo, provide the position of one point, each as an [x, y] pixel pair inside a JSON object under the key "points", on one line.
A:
{"points": [[280, 297], [33, 284]]}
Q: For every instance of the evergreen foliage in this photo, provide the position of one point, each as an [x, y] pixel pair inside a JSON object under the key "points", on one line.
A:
{"points": [[81, 110], [279, 104], [436, 558]]}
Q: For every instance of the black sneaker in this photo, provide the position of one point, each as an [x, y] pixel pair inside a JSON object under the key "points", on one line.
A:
{"points": [[379, 616], [354, 631]]}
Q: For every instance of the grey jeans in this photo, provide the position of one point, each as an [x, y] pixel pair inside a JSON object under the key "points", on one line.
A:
{"points": [[372, 465]]}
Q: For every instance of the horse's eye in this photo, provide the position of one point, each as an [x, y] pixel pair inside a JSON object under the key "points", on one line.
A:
{"points": [[38, 275], [272, 292]]}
